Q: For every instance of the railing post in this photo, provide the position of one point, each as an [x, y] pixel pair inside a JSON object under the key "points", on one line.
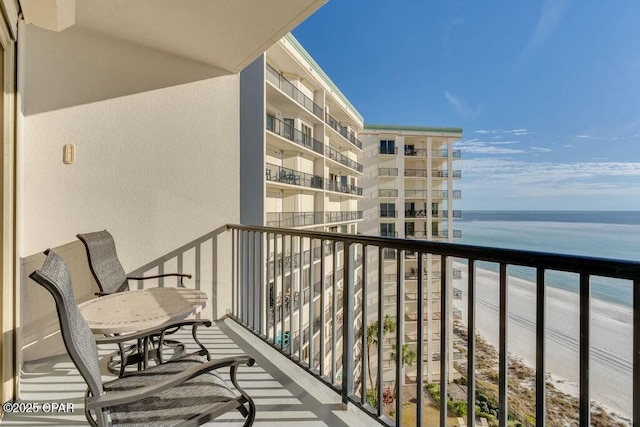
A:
{"points": [[540, 349], [312, 314], [420, 326], [444, 340], [399, 334], [471, 343], [348, 295], [636, 353], [234, 271], [364, 351], [380, 326], [323, 316], [585, 313], [334, 310], [503, 369]]}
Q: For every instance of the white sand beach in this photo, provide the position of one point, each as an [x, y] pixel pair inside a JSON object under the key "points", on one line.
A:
{"points": [[611, 335]]}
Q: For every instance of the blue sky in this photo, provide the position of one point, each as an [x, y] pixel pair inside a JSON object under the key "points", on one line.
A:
{"points": [[547, 92]]}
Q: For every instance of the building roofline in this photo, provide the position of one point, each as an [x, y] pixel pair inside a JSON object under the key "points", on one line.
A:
{"points": [[303, 52], [368, 126]]}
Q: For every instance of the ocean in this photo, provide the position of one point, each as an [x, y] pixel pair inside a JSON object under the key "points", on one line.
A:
{"points": [[611, 234]]}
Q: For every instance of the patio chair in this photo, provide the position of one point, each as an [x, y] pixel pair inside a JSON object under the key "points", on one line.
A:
{"points": [[110, 277], [186, 391]]}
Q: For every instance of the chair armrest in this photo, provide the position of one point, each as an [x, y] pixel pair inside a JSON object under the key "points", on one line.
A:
{"points": [[115, 339], [119, 398], [101, 294], [180, 275]]}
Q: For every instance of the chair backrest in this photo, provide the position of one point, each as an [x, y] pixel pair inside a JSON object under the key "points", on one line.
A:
{"points": [[78, 339], [104, 263]]}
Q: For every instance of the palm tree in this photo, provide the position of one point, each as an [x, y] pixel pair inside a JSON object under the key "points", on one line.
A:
{"points": [[388, 326], [408, 359]]}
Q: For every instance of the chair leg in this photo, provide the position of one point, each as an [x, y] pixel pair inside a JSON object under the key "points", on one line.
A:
{"points": [[203, 350]]}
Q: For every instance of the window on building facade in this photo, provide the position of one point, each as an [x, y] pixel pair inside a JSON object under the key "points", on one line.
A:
{"points": [[387, 210], [387, 146]]}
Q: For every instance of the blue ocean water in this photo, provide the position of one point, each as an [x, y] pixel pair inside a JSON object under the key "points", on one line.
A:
{"points": [[601, 234]]}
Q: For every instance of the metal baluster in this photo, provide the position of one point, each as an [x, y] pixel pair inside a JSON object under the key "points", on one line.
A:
{"points": [[503, 383], [380, 325], [281, 291], [323, 316], [444, 340], [334, 310], [312, 317], [540, 349], [234, 271], [420, 361], [300, 299], [261, 284], [585, 303], [290, 296], [348, 296], [363, 338], [250, 279], [636, 353], [471, 343], [399, 333]]}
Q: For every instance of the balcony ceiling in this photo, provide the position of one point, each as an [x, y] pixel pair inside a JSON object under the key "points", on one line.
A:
{"points": [[225, 34]]}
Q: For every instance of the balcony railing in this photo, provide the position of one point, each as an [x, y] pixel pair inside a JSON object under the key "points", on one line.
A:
{"points": [[283, 175], [416, 194], [387, 193], [457, 234], [445, 174], [293, 219], [388, 172], [416, 173], [341, 216], [444, 153], [444, 194], [343, 130], [415, 152], [287, 131], [293, 92], [342, 351], [331, 185], [342, 159], [389, 234], [388, 150]]}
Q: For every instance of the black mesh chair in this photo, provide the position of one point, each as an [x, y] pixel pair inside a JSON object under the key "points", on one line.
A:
{"points": [[111, 277], [182, 392]]}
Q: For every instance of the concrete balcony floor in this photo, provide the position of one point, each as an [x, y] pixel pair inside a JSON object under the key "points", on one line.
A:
{"points": [[284, 394]]}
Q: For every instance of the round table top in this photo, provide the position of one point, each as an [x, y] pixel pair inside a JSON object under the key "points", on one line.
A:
{"points": [[131, 311]]}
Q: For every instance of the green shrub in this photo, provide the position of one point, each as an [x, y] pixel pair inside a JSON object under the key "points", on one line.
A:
{"points": [[372, 397]]}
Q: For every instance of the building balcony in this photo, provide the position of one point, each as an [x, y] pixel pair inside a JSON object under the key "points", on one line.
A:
{"points": [[343, 130], [444, 194], [415, 194], [443, 234], [293, 92], [387, 171], [292, 134], [293, 219], [387, 193], [444, 153], [412, 152], [343, 188], [389, 234], [342, 216], [336, 156], [282, 175], [415, 173], [289, 374], [445, 174]]}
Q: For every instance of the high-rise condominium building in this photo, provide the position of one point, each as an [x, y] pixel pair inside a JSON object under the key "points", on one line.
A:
{"points": [[300, 168], [409, 178]]}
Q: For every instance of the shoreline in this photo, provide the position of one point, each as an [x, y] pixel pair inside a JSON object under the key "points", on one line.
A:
{"points": [[611, 335]]}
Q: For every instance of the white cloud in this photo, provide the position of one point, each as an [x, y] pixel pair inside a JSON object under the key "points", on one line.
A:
{"points": [[462, 107], [541, 149], [568, 146], [552, 12]]}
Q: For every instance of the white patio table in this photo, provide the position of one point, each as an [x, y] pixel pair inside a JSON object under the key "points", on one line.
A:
{"points": [[132, 311]]}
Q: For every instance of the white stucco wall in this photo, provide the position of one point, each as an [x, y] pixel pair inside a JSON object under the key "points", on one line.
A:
{"points": [[158, 168], [157, 150]]}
